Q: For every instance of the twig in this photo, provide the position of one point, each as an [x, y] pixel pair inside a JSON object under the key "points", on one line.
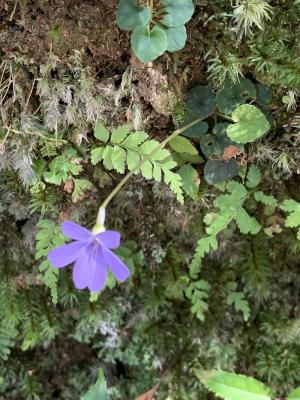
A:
{"points": [[37, 134], [13, 11]]}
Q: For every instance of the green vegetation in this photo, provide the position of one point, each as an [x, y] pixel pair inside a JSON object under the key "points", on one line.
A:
{"points": [[181, 118]]}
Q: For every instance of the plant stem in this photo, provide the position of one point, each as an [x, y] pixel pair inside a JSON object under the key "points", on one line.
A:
{"points": [[224, 116], [49, 139], [147, 158]]}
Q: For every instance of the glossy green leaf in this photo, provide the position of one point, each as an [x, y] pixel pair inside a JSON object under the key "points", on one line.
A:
{"points": [[148, 44], [178, 12], [230, 386], [201, 101], [294, 395], [195, 131], [217, 171], [213, 145], [190, 180], [176, 38], [99, 390], [264, 94], [183, 145], [232, 95], [130, 15], [210, 146], [250, 124], [200, 104]]}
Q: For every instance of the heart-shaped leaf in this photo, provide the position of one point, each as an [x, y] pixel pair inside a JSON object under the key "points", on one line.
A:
{"points": [[251, 124], [217, 171], [200, 104], [201, 101], [176, 37], [148, 44], [197, 130], [130, 15], [178, 12], [232, 95]]}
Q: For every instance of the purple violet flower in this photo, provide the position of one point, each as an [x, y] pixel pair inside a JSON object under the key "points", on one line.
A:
{"points": [[92, 256]]}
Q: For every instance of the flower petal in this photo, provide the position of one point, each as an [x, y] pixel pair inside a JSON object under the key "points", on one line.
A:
{"points": [[81, 270], [110, 239], [118, 268], [75, 231], [66, 254], [97, 270]]}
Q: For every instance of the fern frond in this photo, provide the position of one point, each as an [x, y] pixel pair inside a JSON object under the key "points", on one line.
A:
{"points": [[123, 149]]}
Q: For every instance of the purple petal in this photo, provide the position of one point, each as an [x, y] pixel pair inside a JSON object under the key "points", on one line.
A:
{"points": [[81, 270], [97, 270], [66, 254], [110, 239], [118, 268], [75, 231]]}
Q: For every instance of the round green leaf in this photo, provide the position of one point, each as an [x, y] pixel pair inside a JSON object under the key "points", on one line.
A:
{"points": [[217, 171], [130, 15], [251, 124], [176, 38], [210, 146], [264, 94], [148, 44], [231, 96], [178, 12], [201, 101], [213, 145], [195, 131]]}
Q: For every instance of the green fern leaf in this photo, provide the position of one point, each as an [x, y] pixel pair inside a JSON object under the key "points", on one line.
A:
{"points": [[80, 185], [263, 198], [119, 134], [253, 177], [48, 237], [100, 132], [97, 155], [174, 181], [127, 149], [237, 299], [204, 245], [8, 334], [197, 292], [118, 159], [230, 386], [245, 223], [61, 167], [293, 207]]}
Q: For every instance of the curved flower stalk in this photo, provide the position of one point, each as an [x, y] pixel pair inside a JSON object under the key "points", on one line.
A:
{"points": [[91, 250]]}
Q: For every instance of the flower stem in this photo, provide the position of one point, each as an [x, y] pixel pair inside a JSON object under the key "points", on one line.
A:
{"points": [[147, 158]]}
